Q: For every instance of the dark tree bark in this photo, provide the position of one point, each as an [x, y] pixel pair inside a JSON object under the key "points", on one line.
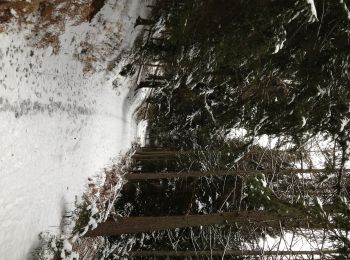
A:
{"points": [[341, 170], [143, 21], [230, 253], [198, 174], [134, 225], [148, 84]]}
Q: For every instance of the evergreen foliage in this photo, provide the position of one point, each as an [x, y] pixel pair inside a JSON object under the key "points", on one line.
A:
{"points": [[270, 67], [262, 65]]}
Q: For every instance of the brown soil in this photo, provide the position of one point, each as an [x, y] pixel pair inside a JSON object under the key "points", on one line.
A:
{"points": [[49, 17]]}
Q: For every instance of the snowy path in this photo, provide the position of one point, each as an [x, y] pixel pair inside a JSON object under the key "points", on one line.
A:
{"points": [[57, 126]]}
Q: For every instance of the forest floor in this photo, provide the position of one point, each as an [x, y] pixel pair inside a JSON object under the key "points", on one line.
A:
{"points": [[63, 116]]}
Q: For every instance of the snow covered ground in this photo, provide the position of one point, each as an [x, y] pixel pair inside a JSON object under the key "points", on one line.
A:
{"points": [[58, 126]]}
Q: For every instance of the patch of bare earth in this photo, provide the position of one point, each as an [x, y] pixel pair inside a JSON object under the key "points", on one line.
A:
{"points": [[47, 20]]}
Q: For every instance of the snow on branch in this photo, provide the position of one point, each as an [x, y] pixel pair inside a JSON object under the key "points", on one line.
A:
{"points": [[345, 8], [313, 17]]}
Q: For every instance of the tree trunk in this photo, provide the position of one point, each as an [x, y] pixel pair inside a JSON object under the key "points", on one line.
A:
{"points": [[134, 225], [143, 21], [341, 170], [149, 84], [197, 174], [209, 253]]}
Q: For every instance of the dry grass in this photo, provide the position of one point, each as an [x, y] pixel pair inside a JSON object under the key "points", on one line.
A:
{"points": [[103, 190], [50, 11], [86, 247], [51, 17], [47, 21], [20, 9], [87, 56], [47, 17]]}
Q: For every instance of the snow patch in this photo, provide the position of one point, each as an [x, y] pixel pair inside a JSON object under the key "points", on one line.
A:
{"points": [[281, 42], [313, 17], [304, 121], [345, 7], [344, 122], [142, 132], [58, 125]]}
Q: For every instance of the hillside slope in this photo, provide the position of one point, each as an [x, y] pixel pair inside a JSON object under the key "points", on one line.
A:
{"points": [[61, 118]]}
